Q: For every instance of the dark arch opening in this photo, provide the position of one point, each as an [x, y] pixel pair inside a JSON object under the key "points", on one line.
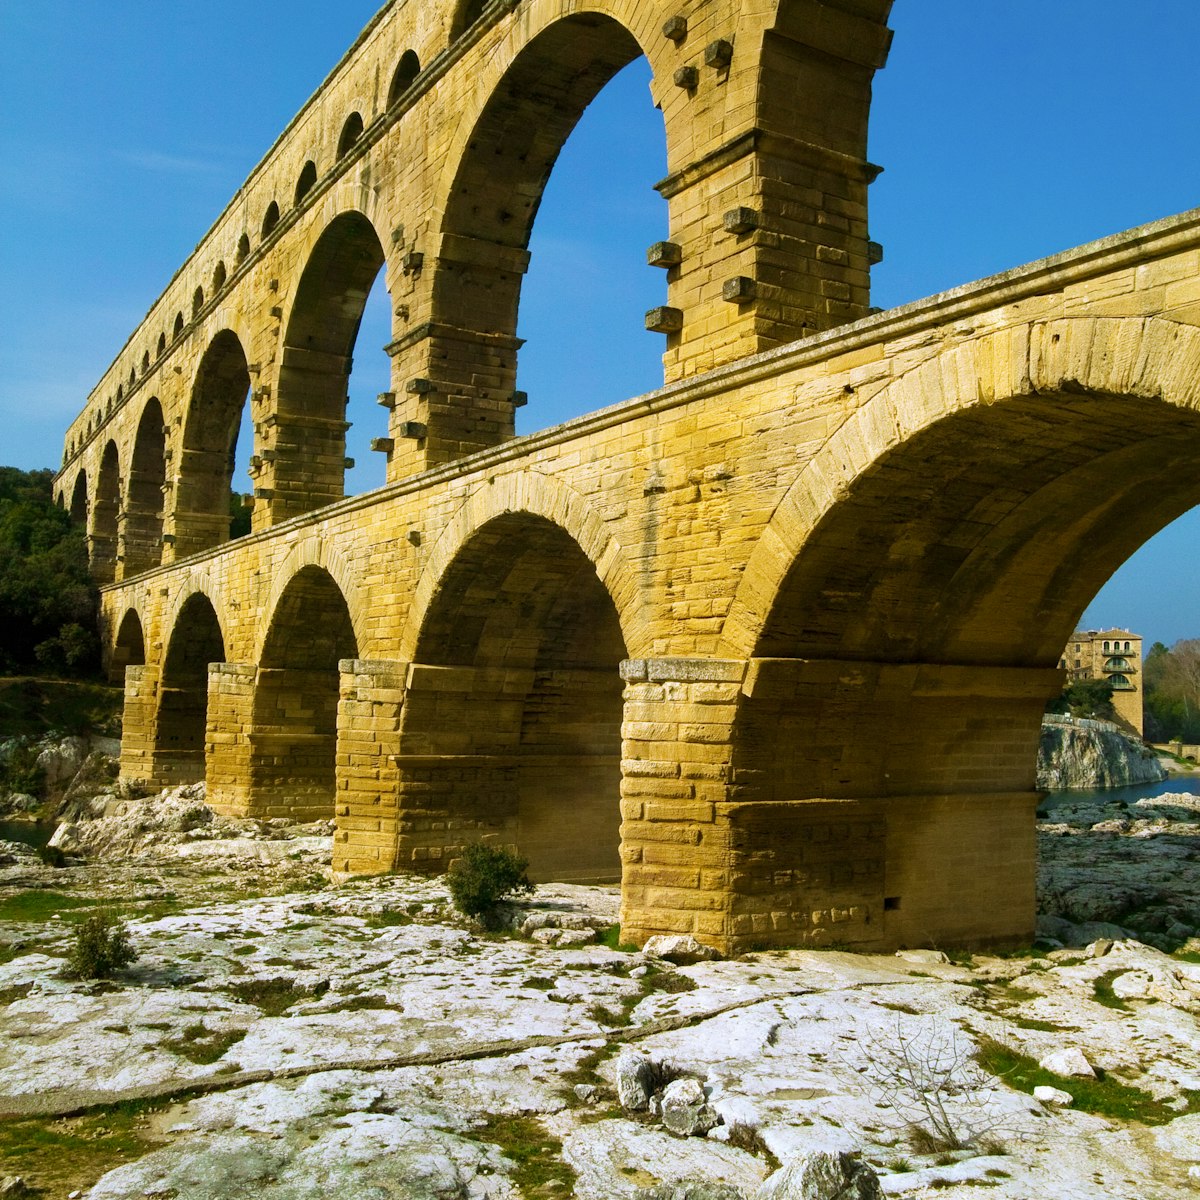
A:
{"points": [[496, 195], [914, 643], [307, 180], [406, 71], [293, 764], [146, 362], [469, 11], [270, 218], [204, 489], [520, 681], [120, 397], [352, 130], [318, 356], [143, 542], [129, 650], [243, 249], [162, 344], [177, 328], [219, 277], [79, 500], [132, 376], [197, 301], [105, 516], [196, 641]]}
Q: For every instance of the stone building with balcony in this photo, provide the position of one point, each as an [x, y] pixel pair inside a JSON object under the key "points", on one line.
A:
{"points": [[1114, 655]]}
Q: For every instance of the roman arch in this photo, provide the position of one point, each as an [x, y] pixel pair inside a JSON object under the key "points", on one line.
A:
{"points": [[769, 645]]}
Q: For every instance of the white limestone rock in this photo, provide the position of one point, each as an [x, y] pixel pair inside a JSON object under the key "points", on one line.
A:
{"points": [[1069, 1061], [923, 956], [681, 949], [635, 1080], [685, 1108], [1053, 1096], [822, 1175]]}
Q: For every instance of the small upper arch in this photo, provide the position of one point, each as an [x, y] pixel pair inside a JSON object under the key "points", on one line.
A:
{"points": [[408, 68], [177, 328], [219, 276], [352, 130], [243, 249], [270, 218], [307, 180], [467, 13], [197, 301]]}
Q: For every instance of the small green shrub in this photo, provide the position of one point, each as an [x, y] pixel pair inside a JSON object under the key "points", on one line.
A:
{"points": [[483, 877], [100, 947]]}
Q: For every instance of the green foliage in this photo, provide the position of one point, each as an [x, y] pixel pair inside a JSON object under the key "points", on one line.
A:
{"points": [[100, 947], [1172, 691], [1102, 989], [48, 603], [1090, 698], [33, 707], [483, 877]]}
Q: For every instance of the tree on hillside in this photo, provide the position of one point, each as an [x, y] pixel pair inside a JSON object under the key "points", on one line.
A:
{"points": [[1172, 686], [48, 602], [1090, 698]]}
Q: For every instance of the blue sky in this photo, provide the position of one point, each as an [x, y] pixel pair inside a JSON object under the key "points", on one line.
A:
{"points": [[1008, 130]]}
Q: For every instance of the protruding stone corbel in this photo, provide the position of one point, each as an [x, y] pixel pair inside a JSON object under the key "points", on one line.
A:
{"points": [[664, 320], [664, 254]]}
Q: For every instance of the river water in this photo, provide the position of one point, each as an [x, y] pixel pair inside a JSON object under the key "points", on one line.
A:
{"points": [[26, 832], [1137, 791]]}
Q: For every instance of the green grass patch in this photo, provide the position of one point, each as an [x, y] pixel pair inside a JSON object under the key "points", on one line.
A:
{"points": [[536, 1155], [38, 905], [610, 936], [1104, 1097], [202, 1045], [358, 1003], [539, 983], [1102, 990], [1040, 1026], [272, 997], [1192, 956], [58, 1157], [389, 919]]}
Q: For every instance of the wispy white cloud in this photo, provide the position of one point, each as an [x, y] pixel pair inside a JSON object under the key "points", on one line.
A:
{"points": [[170, 164]]}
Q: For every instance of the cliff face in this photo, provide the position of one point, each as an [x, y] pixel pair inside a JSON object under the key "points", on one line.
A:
{"points": [[1093, 754]]}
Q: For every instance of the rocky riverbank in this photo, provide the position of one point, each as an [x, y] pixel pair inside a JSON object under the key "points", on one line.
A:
{"points": [[281, 1038], [1093, 754]]}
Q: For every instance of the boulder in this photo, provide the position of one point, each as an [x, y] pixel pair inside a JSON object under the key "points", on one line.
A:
{"points": [[60, 760], [685, 1109], [635, 1081], [923, 956], [691, 1189], [681, 949], [15, 854], [821, 1175], [1052, 1095], [1068, 1061]]}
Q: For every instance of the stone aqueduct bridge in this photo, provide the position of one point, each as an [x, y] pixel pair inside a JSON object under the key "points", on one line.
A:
{"points": [[769, 645]]}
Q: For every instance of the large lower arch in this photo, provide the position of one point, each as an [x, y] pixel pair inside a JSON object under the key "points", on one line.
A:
{"points": [[490, 210], [180, 728], [939, 552], [293, 737], [143, 516], [512, 716], [308, 439], [204, 477]]}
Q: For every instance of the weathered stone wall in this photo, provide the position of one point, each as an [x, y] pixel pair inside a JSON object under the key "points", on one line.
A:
{"points": [[773, 642]]}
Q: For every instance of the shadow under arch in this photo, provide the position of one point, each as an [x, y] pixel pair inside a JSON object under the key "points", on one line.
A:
{"points": [[490, 209], [129, 649], [106, 513], [181, 725], [511, 728], [79, 501], [294, 724], [205, 475], [143, 529], [318, 348], [932, 562]]}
